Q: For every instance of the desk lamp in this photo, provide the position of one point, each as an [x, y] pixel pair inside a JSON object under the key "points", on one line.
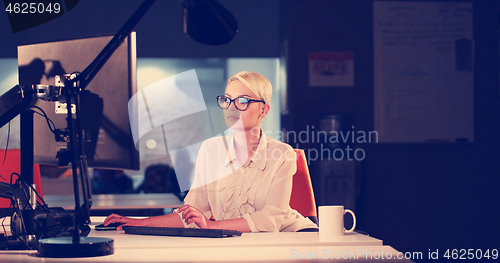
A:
{"points": [[205, 21]]}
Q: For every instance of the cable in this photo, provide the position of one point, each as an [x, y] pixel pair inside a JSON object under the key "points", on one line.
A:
{"points": [[5, 217], [20, 215], [50, 123], [7, 145], [27, 207], [17, 236], [44, 205]]}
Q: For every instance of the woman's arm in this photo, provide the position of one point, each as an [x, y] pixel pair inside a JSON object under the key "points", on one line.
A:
{"points": [[239, 224], [169, 220], [191, 214]]}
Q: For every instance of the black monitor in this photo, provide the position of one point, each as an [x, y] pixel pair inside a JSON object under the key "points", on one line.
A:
{"points": [[104, 103]]}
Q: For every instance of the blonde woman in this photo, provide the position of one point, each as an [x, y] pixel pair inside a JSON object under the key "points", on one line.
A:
{"points": [[243, 180]]}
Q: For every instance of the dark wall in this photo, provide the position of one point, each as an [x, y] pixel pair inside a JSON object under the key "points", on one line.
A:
{"points": [[159, 33], [413, 196]]}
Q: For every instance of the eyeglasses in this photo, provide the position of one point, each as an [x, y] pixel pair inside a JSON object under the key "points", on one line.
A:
{"points": [[241, 103]]}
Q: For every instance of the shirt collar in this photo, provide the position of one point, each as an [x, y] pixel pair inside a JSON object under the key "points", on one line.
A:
{"points": [[258, 158], [231, 155]]}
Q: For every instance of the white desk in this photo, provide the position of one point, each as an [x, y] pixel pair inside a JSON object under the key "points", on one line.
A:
{"points": [[250, 247], [118, 201]]}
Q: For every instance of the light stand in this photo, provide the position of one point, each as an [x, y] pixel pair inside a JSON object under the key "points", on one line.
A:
{"points": [[76, 246]]}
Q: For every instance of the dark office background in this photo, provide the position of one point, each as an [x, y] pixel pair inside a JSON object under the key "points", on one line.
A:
{"points": [[415, 197]]}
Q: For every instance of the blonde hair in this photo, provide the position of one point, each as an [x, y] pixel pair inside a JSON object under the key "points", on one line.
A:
{"points": [[257, 83]]}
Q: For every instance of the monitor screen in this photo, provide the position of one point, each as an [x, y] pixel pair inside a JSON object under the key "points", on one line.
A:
{"points": [[105, 123]]}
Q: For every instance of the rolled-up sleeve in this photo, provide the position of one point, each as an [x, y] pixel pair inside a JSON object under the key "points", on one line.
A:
{"points": [[270, 218]]}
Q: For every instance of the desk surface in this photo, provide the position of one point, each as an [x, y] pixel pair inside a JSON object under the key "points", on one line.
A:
{"points": [[118, 201], [223, 254], [126, 241], [249, 247]]}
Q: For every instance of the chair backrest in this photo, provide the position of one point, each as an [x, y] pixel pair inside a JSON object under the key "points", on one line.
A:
{"points": [[13, 164], [302, 198]]}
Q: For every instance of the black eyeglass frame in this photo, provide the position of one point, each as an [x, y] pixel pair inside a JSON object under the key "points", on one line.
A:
{"points": [[235, 105]]}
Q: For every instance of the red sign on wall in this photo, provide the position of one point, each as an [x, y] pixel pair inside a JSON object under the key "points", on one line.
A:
{"points": [[331, 69]]}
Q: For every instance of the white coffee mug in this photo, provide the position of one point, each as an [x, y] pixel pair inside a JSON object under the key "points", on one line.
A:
{"points": [[331, 220]]}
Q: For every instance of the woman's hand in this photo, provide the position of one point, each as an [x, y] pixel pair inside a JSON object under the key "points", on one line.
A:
{"points": [[125, 221], [191, 214]]}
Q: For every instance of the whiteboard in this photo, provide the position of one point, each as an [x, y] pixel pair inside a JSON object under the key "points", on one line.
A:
{"points": [[423, 72]]}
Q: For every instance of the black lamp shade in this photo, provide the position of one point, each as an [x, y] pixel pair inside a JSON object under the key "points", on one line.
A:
{"points": [[208, 22]]}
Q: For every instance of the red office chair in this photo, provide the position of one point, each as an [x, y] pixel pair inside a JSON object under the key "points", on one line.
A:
{"points": [[302, 198], [13, 164]]}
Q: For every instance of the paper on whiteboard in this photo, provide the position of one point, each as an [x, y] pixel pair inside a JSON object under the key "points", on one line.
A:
{"points": [[423, 75]]}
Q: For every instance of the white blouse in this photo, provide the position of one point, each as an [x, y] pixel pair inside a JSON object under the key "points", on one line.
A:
{"points": [[259, 192]]}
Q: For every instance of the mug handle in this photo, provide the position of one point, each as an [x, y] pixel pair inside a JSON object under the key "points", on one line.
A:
{"points": [[353, 221]]}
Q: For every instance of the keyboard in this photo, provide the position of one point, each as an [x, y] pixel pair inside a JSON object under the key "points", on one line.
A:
{"points": [[181, 232]]}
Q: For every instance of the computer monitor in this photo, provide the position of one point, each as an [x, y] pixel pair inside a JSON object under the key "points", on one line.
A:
{"points": [[106, 128]]}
